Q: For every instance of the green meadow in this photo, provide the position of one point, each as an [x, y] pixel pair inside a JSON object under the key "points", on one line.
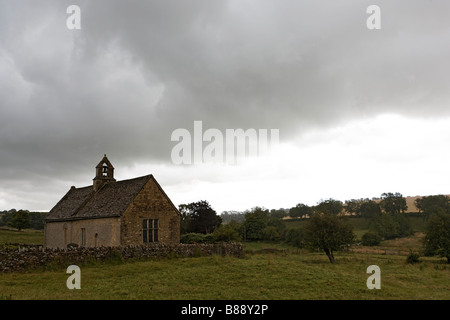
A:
{"points": [[268, 271]]}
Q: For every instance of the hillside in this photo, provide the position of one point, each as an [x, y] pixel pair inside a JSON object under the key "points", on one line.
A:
{"points": [[410, 202]]}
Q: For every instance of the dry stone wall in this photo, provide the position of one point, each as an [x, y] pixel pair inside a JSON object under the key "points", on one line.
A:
{"points": [[23, 258]]}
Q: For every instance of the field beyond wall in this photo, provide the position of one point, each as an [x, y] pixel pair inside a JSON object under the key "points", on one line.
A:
{"points": [[268, 271]]}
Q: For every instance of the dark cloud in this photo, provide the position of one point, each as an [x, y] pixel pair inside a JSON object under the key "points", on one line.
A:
{"points": [[137, 70]]}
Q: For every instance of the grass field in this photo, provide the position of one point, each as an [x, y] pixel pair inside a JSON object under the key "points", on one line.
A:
{"points": [[274, 276], [8, 235], [281, 273]]}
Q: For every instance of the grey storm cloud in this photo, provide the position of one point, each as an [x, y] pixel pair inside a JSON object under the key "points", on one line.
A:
{"points": [[137, 70]]}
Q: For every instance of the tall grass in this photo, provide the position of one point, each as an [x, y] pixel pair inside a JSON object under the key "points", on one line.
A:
{"points": [[274, 276], [28, 236], [283, 273]]}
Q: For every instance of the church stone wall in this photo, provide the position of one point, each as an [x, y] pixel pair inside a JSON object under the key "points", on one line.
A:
{"points": [[150, 203], [84, 233]]}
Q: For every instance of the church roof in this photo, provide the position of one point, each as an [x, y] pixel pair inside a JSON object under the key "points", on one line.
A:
{"points": [[103, 161], [110, 201]]}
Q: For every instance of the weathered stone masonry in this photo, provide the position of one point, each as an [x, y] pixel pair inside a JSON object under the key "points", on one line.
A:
{"points": [[150, 203], [113, 213], [17, 260]]}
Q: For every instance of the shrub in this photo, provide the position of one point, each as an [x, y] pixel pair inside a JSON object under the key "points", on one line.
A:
{"points": [[437, 238], [412, 257], [370, 239], [193, 238], [294, 237], [208, 238], [391, 226], [271, 233], [225, 233]]}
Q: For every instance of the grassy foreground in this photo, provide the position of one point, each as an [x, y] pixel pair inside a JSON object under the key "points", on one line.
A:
{"points": [[282, 273], [291, 275]]}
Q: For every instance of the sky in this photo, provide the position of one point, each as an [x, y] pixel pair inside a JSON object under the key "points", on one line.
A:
{"points": [[359, 111]]}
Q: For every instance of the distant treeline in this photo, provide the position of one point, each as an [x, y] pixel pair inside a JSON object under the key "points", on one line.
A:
{"points": [[22, 219], [394, 203], [239, 216]]}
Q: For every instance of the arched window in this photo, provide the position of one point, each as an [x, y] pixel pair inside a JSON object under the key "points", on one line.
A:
{"points": [[65, 233], [83, 237], [105, 170], [95, 239]]}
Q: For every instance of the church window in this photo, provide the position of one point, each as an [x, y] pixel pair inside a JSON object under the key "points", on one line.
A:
{"points": [[83, 236], [150, 228]]}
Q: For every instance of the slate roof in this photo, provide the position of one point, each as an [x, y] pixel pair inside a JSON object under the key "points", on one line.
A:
{"points": [[110, 201]]}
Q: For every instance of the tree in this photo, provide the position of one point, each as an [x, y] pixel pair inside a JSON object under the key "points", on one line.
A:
{"points": [[226, 233], [20, 220], [428, 205], [390, 226], [37, 220], [353, 206], [254, 224], [404, 227], [199, 217], [370, 209], [294, 237], [271, 233], [327, 232], [279, 213], [392, 223], [300, 210], [393, 203], [260, 224], [6, 216], [185, 218], [437, 235], [278, 226], [384, 226], [330, 206]]}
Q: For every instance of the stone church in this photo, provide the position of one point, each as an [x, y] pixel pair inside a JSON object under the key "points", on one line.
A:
{"points": [[113, 213]]}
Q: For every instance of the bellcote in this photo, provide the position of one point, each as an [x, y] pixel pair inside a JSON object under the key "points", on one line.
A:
{"points": [[104, 173]]}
